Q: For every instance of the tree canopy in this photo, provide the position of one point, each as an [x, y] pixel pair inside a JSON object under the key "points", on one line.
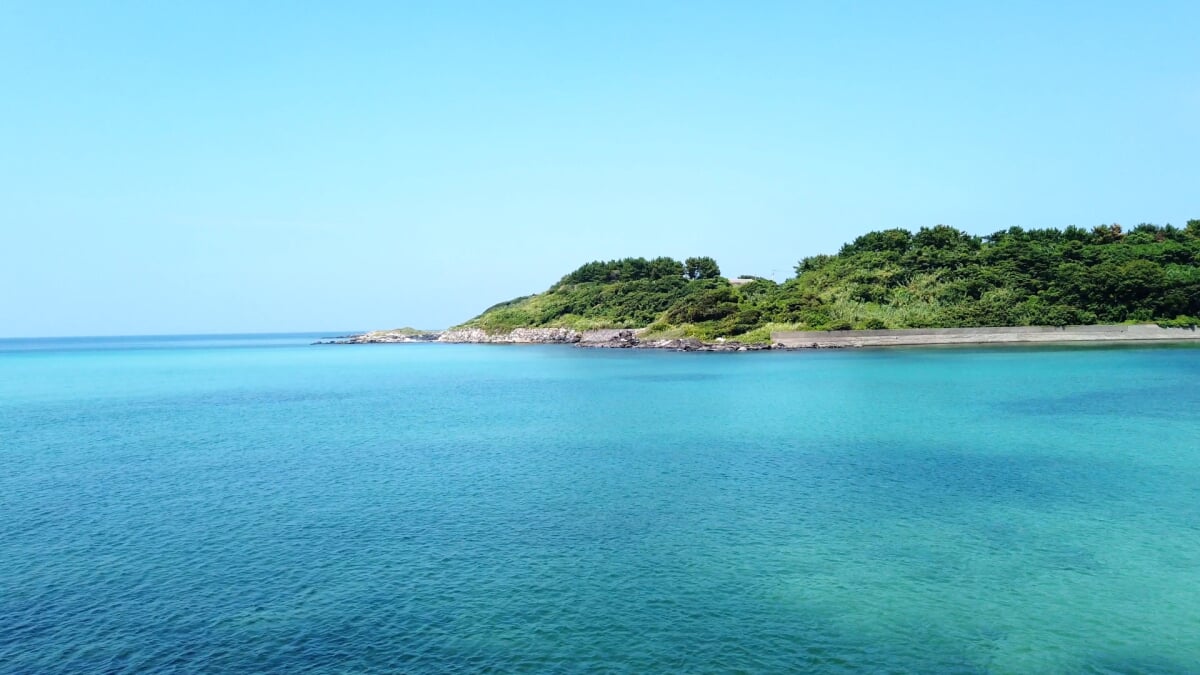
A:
{"points": [[936, 277], [701, 268]]}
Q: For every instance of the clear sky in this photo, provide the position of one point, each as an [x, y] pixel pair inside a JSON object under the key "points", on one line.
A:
{"points": [[175, 167]]}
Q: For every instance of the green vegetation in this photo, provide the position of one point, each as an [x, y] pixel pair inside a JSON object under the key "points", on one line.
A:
{"points": [[936, 277]]}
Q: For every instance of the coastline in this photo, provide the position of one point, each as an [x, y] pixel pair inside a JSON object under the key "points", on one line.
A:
{"points": [[791, 340], [913, 337], [589, 339]]}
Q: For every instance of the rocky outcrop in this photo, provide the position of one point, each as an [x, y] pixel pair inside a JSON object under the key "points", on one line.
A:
{"points": [[384, 336], [464, 335], [596, 339], [609, 339], [628, 339], [515, 336]]}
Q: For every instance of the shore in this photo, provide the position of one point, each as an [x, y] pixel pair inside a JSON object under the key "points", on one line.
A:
{"points": [[590, 339], [982, 336], [789, 340]]}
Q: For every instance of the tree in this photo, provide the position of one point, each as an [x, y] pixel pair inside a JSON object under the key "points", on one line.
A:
{"points": [[1106, 234], [896, 239], [937, 276], [701, 268], [663, 268], [944, 237], [813, 263], [707, 304]]}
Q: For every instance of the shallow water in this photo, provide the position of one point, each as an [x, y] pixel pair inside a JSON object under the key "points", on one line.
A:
{"points": [[247, 506]]}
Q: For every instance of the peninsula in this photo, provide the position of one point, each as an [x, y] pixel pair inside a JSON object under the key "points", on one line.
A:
{"points": [[886, 287]]}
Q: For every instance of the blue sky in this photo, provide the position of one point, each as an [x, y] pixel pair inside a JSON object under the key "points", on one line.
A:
{"points": [[223, 167]]}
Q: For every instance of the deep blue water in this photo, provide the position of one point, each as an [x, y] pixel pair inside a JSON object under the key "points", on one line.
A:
{"points": [[260, 505]]}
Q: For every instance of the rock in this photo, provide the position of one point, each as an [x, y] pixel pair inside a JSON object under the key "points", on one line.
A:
{"points": [[385, 336], [614, 338], [515, 336], [609, 339]]}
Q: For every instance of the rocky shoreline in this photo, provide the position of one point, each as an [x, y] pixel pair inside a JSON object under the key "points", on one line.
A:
{"points": [[789, 340], [591, 339], [629, 339]]}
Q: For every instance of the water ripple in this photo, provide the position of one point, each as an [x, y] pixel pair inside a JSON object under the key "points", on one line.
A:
{"points": [[474, 510]]}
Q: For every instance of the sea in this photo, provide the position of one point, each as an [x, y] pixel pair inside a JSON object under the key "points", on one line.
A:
{"points": [[259, 504]]}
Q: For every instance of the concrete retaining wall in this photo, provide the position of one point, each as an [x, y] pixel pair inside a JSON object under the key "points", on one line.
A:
{"points": [[949, 336]]}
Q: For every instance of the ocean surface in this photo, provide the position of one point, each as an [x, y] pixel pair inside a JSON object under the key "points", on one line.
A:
{"points": [[256, 504]]}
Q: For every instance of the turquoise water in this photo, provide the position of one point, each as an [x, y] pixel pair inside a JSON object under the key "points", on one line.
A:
{"points": [[247, 505]]}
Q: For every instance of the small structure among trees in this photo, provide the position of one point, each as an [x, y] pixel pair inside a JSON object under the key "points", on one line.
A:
{"points": [[701, 268]]}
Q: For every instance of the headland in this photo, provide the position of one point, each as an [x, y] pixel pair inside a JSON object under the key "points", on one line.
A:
{"points": [[938, 285], [632, 339]]}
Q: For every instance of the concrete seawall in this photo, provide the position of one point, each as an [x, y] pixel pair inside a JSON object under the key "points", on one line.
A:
{"points": [[951, 336]]}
